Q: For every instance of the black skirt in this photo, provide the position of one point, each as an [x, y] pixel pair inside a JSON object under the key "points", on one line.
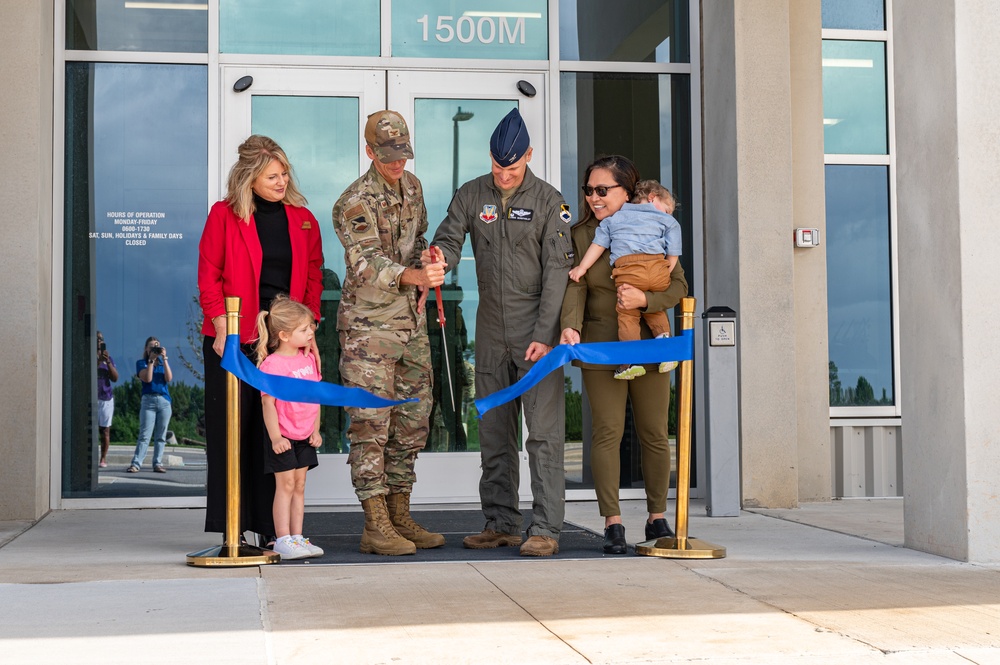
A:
{"points": [[257, 486]]}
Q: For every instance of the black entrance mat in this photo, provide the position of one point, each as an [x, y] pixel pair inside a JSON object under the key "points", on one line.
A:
{"points": [[339, 534]]}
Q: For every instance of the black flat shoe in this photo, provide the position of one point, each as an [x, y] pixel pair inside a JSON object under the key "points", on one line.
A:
{"points": [[658, 529], [614, 539]]}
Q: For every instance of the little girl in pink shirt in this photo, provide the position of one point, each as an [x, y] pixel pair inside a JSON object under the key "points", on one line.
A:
{"points": [[286, 348]]}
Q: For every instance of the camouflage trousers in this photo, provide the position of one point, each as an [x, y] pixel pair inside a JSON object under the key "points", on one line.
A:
{"points": [[395, 364]]}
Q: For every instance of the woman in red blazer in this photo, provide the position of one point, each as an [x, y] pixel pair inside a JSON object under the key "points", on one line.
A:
{"points": [[258, 242]]}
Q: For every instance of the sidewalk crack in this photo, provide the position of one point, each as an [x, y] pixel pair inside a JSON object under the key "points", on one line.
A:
{"points": [[528, 612]]}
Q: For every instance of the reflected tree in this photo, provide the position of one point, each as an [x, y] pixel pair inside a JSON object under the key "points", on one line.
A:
{"points": [[196, 363]]}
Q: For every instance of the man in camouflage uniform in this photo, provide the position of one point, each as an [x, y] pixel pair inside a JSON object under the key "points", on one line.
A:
{"points": [[519, 227], [381, 220]]}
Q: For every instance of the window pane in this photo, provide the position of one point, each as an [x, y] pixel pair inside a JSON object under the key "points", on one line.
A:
{"points": [[449, 136], [855, 120], [438, 29], [854, 14], [135, 204], [645, 117], [322, 145], [154, 25], [299, 27], [858, 285], [636, 31]]}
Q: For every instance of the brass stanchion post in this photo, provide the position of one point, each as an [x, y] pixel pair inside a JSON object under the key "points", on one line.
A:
{"points": [[232, 553], [681, 546]]}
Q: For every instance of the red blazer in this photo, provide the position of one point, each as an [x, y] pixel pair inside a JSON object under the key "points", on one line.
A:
{"points": [[229, 258]]}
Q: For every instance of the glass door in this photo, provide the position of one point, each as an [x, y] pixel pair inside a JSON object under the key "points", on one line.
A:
{"points": [[318, 118], [452, 116]]}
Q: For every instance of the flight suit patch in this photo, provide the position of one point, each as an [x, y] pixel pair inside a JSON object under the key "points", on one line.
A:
{"points": [[520, 214], [564, 213], [489, 214]]}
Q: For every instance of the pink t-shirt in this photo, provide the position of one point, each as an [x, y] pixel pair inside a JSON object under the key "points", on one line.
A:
{"points": [[296, 420]]}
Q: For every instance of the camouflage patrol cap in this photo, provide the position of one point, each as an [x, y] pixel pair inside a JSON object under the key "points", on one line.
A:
{"points": [[388, 136]]}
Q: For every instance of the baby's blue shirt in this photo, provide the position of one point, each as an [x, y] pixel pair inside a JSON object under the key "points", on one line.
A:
{"points": [[639, 228]]}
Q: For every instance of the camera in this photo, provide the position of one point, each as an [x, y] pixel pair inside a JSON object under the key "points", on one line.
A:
{"points": [[102, 347], [156, 350]]}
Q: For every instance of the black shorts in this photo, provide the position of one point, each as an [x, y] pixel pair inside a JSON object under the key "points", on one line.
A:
{"points": [[301, 456]]}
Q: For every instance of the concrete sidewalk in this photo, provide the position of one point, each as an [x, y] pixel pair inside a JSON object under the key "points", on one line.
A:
{"points": [[823, 584]]}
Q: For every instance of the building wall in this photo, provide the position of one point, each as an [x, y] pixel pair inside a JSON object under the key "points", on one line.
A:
{"points": [[26, 108], [763, 157], [948, 146], [812, 396]]}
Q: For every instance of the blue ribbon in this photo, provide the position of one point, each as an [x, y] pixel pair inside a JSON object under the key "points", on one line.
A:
{"points": [[298, 390], [596, 353]]}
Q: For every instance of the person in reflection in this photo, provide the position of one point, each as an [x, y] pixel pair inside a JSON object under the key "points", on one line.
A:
{"points": [[258, 242], [590, 314], [447, 423], [153, 370], [519, 227], [107, 373], [381, 221]]}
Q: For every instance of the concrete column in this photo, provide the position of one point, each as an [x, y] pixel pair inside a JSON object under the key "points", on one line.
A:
{"points": [[812, 354], [25, 257], [757, 135], [946, 73]]}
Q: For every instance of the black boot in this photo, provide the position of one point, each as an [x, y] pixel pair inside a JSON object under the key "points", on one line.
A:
{"points": [[614, 539], [658, 529]]}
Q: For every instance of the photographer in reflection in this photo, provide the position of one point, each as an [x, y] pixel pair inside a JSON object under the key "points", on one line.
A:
{"points": [[107, 373], [153, 371]]}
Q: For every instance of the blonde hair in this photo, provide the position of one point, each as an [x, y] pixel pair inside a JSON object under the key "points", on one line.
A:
{"points": [[285, 316], [646, 188], [255, 155]]}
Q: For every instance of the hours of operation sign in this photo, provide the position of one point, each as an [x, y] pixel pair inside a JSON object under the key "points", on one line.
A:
{"points": [[511, 30], [135, 228]]}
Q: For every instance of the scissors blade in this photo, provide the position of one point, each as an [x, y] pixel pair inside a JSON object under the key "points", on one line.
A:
{"points": [[447, 368]]}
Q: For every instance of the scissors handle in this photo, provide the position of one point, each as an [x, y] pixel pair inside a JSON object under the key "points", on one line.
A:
{"points": [[437, 289]]}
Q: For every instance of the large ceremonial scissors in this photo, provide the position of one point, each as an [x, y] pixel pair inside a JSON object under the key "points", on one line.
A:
{"points": [[437, 254]]}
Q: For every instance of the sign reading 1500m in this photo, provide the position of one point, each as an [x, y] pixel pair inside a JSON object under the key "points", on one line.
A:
{"points": [[512, 30]]}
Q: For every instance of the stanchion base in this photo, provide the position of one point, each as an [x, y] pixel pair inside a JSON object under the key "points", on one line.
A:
{"points": [[675, 548], [240, 555]]}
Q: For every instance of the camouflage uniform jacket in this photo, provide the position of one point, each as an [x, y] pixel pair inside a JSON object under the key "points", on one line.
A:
{"points": [[523, 256], [382, 234]]}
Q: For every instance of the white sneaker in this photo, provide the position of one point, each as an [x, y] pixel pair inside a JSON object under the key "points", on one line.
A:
{"points": [[629, 372], [290, 549], [670, 365], [313, 549]]}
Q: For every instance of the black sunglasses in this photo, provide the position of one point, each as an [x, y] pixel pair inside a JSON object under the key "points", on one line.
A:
{"points": [[600, 189]]}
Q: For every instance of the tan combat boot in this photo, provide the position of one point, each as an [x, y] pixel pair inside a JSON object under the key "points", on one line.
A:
{"points": [[379, 536], [399, 513]]}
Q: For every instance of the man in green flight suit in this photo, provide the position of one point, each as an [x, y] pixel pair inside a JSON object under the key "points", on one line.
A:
{"points": [[519, 226], [381, 221]]}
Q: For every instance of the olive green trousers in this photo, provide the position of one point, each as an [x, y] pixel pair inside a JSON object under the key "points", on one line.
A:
{"points": [[650, 397]]}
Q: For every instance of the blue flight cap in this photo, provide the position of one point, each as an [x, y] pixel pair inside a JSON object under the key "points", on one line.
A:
{"points": [[510, 139]]}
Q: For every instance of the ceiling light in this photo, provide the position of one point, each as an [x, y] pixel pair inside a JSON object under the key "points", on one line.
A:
{"points": [[848, 62], [504, 14], [166, 5]]}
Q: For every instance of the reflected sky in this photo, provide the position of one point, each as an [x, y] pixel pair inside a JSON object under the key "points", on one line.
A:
{"points": [[150, 135], [113, 25], [858, 275], [299, 27]]}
